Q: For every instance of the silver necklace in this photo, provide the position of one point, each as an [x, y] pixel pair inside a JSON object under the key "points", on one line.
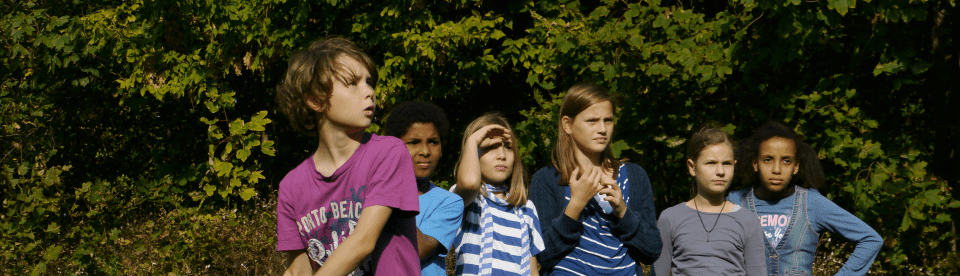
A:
{"points": [[701, 218]]}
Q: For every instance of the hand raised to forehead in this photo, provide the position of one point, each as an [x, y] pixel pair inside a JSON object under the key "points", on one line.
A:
{"points": [[489, 134]]}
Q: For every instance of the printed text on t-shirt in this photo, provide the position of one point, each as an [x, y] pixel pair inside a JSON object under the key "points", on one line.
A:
{"points": [[774, 226]]}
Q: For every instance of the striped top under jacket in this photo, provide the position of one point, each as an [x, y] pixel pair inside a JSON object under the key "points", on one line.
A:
{"points": [[596, 244]]}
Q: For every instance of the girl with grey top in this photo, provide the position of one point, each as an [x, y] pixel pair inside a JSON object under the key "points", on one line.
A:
{"points": [[709, 235]]}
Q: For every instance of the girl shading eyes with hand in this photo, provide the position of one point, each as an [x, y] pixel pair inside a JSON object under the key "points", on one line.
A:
{"points": [[500, 233]]}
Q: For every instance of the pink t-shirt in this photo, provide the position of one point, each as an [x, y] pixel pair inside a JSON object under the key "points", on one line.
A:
{"points": [[318, 213]]}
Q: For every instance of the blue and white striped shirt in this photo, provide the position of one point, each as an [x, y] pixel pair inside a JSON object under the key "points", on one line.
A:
{"points": [[507, 237], [599, 252]]}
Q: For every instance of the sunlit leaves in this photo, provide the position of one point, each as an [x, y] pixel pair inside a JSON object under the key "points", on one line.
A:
{"points": [[841, 6], [170, 105]]}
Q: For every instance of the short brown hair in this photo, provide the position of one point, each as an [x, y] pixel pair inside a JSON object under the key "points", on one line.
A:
{"points": [[310, 74], [579, 98], [708, 135]]}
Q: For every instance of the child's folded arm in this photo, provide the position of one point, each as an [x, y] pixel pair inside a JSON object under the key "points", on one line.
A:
{"points": [[297, 263], [358, 245]]}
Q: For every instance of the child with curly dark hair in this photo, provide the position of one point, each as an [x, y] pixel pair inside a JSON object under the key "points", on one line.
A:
{"points": [[784, 173], [423, 127]]}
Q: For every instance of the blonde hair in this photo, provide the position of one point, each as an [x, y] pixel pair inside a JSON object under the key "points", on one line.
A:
{"points": [[579, 98], [311, 73], [519, 187]]}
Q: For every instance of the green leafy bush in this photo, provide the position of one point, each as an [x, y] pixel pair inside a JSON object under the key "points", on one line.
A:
{"points": [[141, 137]]}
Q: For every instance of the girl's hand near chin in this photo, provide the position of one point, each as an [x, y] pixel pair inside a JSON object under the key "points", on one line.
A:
{"points": [[582, 189], [613, 195]]}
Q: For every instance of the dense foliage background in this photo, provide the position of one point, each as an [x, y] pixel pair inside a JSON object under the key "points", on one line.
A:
{"points": [[142, 137]]}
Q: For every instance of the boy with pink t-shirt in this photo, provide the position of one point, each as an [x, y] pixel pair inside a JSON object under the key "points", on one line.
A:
{"points": [[350, 207]]}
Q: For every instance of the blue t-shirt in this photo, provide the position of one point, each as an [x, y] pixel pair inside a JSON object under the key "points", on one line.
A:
{"points": [[775, 217], [440, 214]]}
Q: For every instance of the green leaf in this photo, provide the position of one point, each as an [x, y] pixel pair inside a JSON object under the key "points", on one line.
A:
{"points": [[609, 72], [236, 127], [566, 45], [255, 177], [208, 121], [932, 197], [53, 228], [139, 247], [52, 253], [39, 269], [209, 189], [618, 147], [258, 121], [267, 148], [213, 107], [635, 41], [247, 193], [599, 13], [661, 21], [842, 5], [223, 168], [227, 149], [243, 154], [907, 223]]}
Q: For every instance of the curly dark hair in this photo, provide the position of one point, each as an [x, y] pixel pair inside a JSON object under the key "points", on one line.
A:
{"points": [[311, 74], [810, 175], [406, 114]]}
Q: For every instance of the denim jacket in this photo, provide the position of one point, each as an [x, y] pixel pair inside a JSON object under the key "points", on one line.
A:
{"points": [[794, 254], [813, 214]]}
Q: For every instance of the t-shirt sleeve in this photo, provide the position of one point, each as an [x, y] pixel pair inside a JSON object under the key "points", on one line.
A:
{"points": [[755, 259], [442, 223], [536, 238], [664, 263], [393, 183], [288, 233]]}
